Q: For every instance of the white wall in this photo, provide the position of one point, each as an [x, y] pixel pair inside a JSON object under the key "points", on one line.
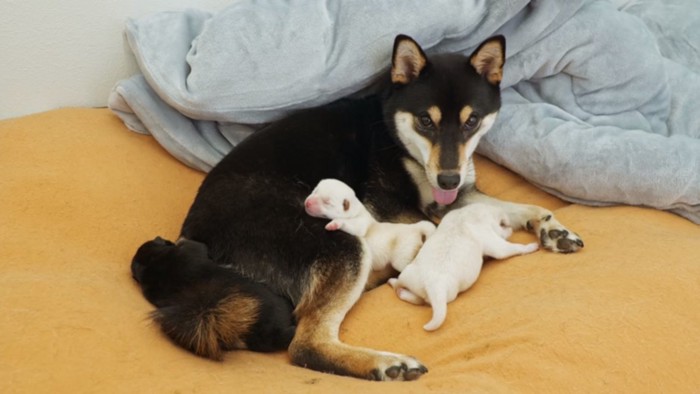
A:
{"points": [[69, 53]]}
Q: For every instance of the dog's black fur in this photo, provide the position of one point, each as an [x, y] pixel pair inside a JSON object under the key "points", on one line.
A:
{"points": [[186, 286], [249, 209]]}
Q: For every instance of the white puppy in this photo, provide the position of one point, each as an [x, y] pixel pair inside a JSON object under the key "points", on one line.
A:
{"points": [[389, 243], [451, 259]]}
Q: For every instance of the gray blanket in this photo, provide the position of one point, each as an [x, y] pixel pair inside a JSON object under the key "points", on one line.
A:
{"points": [[598, 96]]}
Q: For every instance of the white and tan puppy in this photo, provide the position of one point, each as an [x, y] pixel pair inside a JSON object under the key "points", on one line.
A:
{"points": [[390, 243], [451, 259]]}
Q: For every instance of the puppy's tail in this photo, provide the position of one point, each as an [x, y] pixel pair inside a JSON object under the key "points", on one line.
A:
{"points": [[438, 301], [208, 320]]}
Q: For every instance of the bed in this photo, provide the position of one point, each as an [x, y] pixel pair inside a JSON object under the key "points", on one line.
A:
{"points": [[79, 193]]}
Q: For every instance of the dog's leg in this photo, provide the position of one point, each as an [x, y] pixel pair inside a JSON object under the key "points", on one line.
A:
{"points": [[334, 289], [380, 276], [552, 235]]}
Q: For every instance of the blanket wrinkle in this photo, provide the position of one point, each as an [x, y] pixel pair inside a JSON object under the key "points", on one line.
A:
{"points": [[598, 96]]}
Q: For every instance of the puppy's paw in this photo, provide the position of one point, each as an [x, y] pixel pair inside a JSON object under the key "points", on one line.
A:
{"points": [[426, 229], [334, 225], [506, 232], [407, 295], [555, 237], [530, 248]]}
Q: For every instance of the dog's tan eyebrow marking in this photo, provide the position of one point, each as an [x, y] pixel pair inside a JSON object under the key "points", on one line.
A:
{"points": [[465, 113], [435, 114]]}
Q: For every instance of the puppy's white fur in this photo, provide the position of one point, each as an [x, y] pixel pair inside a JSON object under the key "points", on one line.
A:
{"points": [[390, 243], [450, 260]]}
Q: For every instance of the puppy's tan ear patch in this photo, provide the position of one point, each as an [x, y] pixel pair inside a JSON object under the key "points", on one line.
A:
{"points": [[489, 58], [407, 61]]}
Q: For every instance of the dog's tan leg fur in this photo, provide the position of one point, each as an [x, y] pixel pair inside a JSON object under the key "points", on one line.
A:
{"points": [[379, 277], [316, 345], [552, 235]]}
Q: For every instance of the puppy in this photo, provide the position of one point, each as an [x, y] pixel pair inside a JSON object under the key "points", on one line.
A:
{"points": [[451, 259], [179, 280], [394, 244]]}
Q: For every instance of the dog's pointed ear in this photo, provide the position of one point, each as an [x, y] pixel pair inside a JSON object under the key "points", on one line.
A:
{"points": [[407, 61], [488, 59]]}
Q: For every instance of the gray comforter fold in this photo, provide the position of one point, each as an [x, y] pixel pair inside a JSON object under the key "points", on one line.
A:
{"points": [[598, 96]]}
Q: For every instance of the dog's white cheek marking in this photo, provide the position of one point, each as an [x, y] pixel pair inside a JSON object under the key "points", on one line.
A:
{"points": [[416, 144], [486, 125], [467, 168], [417, 173]]}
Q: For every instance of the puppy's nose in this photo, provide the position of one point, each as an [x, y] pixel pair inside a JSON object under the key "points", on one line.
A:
{"points": [[448, 180], [309, 203]]}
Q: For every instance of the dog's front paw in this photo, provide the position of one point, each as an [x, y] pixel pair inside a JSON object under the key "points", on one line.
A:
{"points": [[555, 237], [397, 367]]}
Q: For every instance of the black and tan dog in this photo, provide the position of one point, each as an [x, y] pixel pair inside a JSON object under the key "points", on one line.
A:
{"points": [[407, 153]]}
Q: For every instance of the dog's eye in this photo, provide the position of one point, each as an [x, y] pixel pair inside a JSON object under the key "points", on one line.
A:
{"points": [[346, 205], [425, 120], [472, 123]]}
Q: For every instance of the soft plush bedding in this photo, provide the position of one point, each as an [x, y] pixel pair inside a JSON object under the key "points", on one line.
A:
{"points": [[599, 101], [78, 194]]}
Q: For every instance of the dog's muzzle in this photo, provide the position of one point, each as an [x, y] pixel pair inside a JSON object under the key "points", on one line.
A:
{"points": [[448, 187], [448, 180]]}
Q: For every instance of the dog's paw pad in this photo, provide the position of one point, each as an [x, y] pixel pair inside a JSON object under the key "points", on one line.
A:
{"points": [[553, 236], [415, 373], [395, 371], [400, 368]]}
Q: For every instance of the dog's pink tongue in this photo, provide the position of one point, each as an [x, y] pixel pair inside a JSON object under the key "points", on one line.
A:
{"points": [[445, 197]]}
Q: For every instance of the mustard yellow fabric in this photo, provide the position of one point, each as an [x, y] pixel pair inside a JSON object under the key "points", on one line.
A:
{"points": [[79, 193]]}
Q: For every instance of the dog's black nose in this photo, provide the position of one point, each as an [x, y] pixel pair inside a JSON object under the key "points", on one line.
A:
{"points": [[448, 180]]}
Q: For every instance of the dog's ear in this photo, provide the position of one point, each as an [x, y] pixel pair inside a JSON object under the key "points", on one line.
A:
{"points": [[407, 61], [488, 59]]}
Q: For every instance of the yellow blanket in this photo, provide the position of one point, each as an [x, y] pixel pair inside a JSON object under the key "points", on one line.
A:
{"points": [[79, 193]]}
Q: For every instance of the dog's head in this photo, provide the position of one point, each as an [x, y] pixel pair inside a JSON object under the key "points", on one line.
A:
{"points": [[440, 107], [332, 199]]}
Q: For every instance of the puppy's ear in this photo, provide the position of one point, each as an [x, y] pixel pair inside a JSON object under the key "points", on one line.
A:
{"points": [[407, 61], [488, 59]]}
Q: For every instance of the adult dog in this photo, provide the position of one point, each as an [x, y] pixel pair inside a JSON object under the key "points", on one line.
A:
{"points": [[407, 154]]}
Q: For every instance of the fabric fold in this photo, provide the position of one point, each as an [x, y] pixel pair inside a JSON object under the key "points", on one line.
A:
{"points": [[598, 100]]}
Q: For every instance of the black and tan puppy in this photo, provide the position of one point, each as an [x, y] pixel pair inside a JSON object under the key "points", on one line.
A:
{"points": [[190, 292], [407, 153]]}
